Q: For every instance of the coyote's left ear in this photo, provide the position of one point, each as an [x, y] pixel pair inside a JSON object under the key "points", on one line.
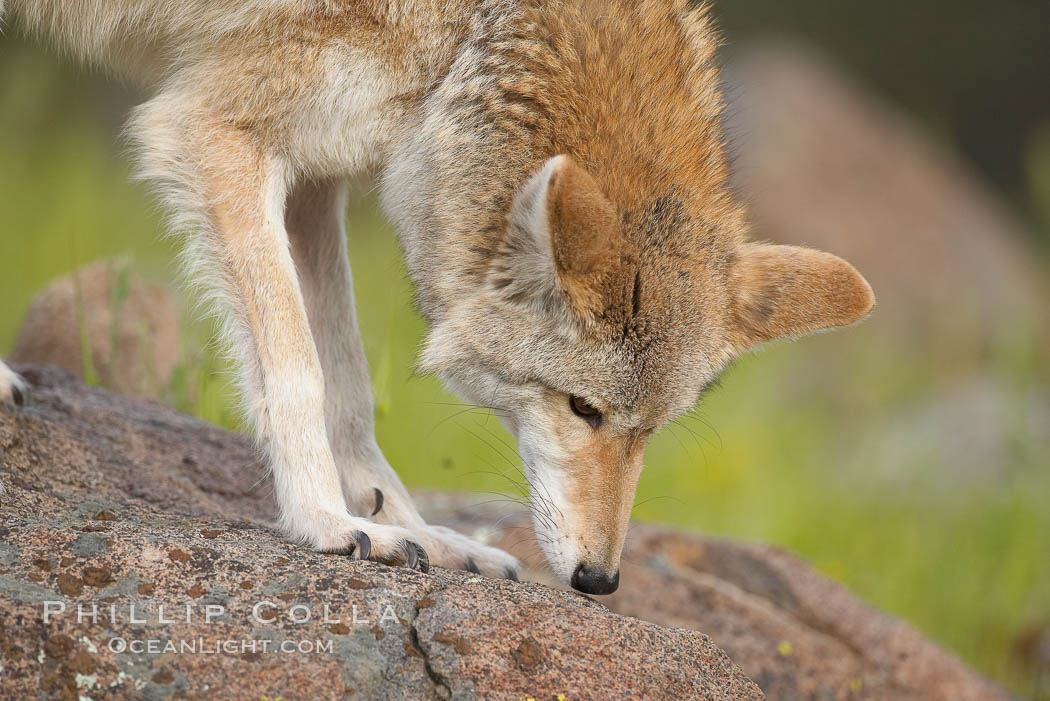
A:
{"points": [[563, 240], [787, 291]]}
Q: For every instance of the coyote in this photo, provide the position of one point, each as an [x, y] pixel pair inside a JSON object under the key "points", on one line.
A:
{"points": [[556, 174]]}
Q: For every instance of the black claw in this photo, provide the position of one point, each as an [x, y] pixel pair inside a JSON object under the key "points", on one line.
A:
{"points": [[379, 501], [472, 566], [424, 560], [364, 545], [18, 396], [509, 573], [411, 553]]}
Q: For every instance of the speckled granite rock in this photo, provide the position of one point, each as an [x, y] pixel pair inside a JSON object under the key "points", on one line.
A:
{"points": [[135, 562], [131, 326], [825, 161], [796, 633], [118, 501]]}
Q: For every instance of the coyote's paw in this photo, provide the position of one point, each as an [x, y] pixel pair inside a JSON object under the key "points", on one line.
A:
{"points": [[447, 548], [360, 539], [12, 386], [455, 551], [416, 549]]}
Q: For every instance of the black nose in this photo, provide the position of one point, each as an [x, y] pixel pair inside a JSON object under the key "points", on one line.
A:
{"points": [[592, 582]]}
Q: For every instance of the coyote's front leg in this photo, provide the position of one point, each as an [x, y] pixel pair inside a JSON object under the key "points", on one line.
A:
{"points": [[314, 221], [239, 190]]}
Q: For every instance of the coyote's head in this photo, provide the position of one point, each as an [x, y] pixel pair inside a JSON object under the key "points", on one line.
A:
{"points": [[615, 281], [587, 340]]}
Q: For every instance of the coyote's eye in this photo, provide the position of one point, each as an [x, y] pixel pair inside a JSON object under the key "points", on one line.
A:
{"points": [[585, 411]]}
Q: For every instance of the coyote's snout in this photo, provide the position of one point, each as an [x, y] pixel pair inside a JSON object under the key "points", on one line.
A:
{"points": [[585, 483], [556, 175]]}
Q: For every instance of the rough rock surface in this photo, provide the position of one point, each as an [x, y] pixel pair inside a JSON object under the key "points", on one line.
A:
{"points": [[826, 162], [115, 502], [796, 633], [129, 325]]}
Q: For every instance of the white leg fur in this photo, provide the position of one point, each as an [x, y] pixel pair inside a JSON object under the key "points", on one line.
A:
{"points": [[222, 182], [315, 226], [315, 223]]}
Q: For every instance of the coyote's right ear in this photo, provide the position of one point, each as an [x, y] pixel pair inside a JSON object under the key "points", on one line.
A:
{"points": [[563, 240]]}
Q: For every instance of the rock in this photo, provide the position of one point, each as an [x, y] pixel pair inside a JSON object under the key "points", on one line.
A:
{"points": [[796, 633], [122, 501], [130, 327], [792, 630], [826, 162], [116, 503]]}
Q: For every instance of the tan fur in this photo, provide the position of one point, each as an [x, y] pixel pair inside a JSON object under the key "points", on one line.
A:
{"points": [[588, 247], [609, 468], [786, 291], [556, 175]]}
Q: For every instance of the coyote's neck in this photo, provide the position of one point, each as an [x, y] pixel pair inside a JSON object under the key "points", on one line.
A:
{"points": [[450, 210], [630, 93], [450, 182]]}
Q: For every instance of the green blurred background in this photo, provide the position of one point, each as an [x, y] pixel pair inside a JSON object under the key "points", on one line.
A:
{"points": [[907, 457]]}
